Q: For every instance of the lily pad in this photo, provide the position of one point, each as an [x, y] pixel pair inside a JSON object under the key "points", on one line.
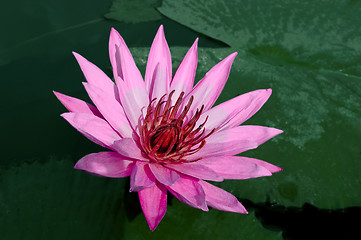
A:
{"points": [[52, 201], [134, 11], [323, 34], [308, 52]]}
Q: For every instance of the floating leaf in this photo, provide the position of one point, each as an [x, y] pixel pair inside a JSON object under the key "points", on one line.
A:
{"points": [[318, 34], [309, 53], [134, 11]]}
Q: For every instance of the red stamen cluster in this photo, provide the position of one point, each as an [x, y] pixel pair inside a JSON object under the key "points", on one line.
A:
{"points": [[163, 135]]}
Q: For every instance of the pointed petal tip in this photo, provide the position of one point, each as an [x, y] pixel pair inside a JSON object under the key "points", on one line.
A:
{"points": [[135, 189], [131, 189], [233, 54], [240, 209], [77, 166], [56, 93], [274, 131], [112, 32], [266, 92], [115, 33], [269, 91], [152, 224], [278, 131], [86, 85], [78, 57], [160, 31], [66, 115], [195, 45], [230, 58]]}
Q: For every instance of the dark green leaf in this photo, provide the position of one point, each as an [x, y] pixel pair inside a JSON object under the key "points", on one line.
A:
{"points": [[322, 34], [134, 11], [308, 52]]}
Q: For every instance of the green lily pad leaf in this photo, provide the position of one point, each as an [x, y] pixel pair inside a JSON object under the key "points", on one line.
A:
{"points": [[308, 52], [51, 200], [319, 111], [134, 11], [305, 33]]}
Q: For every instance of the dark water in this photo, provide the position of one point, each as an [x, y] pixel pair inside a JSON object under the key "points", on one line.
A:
{"points": [[308, 222]]}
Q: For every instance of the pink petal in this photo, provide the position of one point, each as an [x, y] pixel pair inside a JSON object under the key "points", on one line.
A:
{"points": [[95, 76], [141, 177], [235, 111], [127, 147], [257, 134], [190, 192], [134, 101], [110, 108], [184, 77], [164, 175], [107, 164], [131, 86], [122, 61], [210, 87], [234, 167], [270, 167], [159, 54], [235, 140], [159, 83], [196, 170], [94, 128], [257, 99], [77, 105], [219, 199], [153, 201]]}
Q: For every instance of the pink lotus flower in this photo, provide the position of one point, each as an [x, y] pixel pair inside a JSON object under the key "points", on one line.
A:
{"points": [[164, 133]]}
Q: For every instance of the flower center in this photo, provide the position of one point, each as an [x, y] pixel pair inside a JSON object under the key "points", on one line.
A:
{"points": [[163, 138], [166, 137]]}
